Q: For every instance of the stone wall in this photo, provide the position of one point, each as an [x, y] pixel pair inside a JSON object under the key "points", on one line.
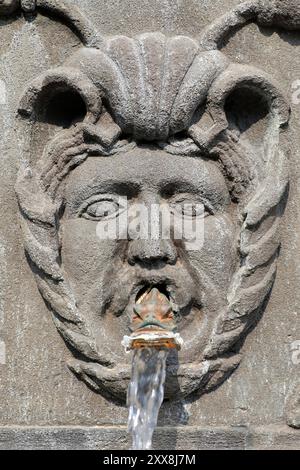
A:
{"points": [[42, 403]]}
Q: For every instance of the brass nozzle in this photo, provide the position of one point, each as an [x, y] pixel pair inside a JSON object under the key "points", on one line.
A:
{"points": [[159, 343], [152, 312], [156, 339], [153, 324]]}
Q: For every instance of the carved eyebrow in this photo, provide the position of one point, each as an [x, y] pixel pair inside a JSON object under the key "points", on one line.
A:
{"points": [[216, 195], [169, 188], [77, 195], [122, 188]]}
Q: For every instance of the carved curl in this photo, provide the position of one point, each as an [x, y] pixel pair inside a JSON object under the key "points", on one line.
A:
{"points": [[62, 9]]}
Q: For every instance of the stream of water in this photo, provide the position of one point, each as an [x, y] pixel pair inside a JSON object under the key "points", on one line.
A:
{"points": [[145, 394]]}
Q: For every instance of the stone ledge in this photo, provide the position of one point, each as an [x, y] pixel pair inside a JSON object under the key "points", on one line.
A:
{"points": [[166, 438]]}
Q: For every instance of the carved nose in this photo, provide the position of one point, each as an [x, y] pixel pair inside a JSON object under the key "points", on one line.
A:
{"points": [[150, 251]]}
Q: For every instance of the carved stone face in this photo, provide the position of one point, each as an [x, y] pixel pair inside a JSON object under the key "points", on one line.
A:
{"points": [[219, 150], [107, 274]]}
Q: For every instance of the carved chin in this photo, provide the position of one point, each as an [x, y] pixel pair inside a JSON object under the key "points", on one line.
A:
{"points": [[181, 380], [186, 372]]}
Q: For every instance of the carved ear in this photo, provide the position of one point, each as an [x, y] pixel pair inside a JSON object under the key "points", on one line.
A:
{"points": [[60, 97], [236, 88], [54, 101], [245, 110]]}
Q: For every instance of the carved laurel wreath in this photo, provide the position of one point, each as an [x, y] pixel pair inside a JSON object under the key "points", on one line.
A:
{"points": [[114, 75]]}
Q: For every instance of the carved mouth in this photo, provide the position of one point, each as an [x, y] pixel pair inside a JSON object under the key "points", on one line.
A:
{"points": [[163, 287], [177, 294], [152, 309], [152, 325]]}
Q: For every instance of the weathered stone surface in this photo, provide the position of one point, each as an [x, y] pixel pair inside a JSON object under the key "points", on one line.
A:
{"points": [[282, 13], [153, 88], [211, 108], [293, 409], [168, 438], [7, 7]]}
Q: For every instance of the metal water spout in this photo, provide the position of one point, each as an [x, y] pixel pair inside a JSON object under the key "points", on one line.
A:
{"points": [[153, 335], [153, 322]]}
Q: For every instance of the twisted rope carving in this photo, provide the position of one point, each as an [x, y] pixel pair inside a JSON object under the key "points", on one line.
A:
{"points": [[258, 246]]}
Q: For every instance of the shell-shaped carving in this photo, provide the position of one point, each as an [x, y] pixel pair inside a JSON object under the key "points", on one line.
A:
{"points": [[153, 84]]}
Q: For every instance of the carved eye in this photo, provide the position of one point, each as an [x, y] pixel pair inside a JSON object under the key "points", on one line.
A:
{"points": [[193, 209], [101, 208]]}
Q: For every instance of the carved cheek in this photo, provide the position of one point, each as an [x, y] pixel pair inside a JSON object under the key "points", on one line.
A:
{"points": [[217, 256], [84, 256]]}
